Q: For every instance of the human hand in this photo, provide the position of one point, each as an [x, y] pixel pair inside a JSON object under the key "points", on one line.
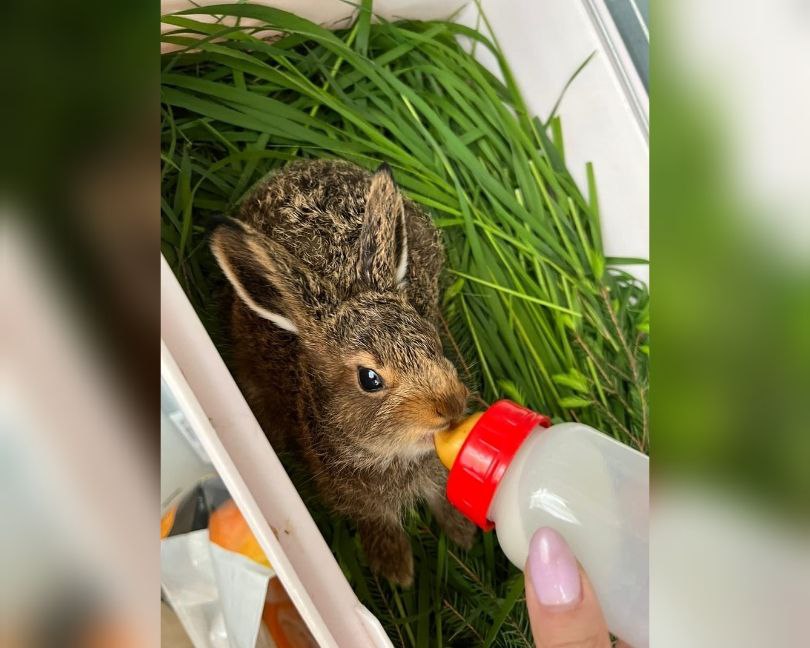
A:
{"points": [[563, 609]]}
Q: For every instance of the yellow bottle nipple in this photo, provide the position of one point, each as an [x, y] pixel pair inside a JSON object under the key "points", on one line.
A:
{"points": [[448, 442]]}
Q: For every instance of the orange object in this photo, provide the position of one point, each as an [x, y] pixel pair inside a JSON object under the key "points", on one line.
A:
{"points": [[228, 529], [448, 442], [167, 522], [283, 622]]}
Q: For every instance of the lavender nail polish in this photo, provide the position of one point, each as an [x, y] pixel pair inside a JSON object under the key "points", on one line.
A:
{"points": [[553, 569]]}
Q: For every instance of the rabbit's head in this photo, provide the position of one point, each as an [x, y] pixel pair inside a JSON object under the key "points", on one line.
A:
{"points": [[376, 367]]}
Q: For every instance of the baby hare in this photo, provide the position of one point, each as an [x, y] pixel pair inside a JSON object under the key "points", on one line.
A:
{"points": [[334, 343]]}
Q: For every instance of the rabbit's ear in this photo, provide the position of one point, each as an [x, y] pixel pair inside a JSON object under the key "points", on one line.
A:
{"points": [[383, 262], [267, 278]]}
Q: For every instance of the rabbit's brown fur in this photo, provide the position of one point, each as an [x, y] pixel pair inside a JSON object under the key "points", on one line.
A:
{"points": [[321, 288]]}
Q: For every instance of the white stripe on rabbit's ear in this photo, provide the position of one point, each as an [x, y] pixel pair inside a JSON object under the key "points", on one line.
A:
{"points": [[279, 320], [402, 266], [244, 295]]}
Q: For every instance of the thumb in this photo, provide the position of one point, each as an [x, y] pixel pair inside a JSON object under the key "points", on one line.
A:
{"points": [[562, 605]]}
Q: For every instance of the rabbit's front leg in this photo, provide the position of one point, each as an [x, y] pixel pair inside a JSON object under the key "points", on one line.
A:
{"points": [[387, 549], [458, 528]]}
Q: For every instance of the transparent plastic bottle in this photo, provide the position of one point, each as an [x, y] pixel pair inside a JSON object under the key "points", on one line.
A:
{"points": [[512, 470]]}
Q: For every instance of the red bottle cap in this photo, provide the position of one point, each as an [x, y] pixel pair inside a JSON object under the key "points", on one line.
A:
{"points": [[485, 456]]}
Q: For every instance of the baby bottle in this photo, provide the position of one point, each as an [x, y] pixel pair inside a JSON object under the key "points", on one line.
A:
{"points": [[512, 470]]}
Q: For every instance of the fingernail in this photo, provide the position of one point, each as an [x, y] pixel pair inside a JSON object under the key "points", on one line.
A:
{"points": [[553, 569]]}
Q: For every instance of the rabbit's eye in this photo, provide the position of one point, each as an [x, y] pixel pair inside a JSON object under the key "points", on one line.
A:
{"points": [[369, 379]]}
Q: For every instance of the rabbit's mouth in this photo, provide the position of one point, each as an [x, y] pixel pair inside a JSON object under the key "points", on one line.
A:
{"points": [[426, 432], [439, 427], [429, 433], [420, 440]]}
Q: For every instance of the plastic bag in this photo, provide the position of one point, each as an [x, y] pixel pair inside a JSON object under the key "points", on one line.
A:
{"points": [[225, 596]]}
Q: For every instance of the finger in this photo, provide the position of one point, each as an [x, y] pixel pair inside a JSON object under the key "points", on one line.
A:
{"points": [[563, 609]]}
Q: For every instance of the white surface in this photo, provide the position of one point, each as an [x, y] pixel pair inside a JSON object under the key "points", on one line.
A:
{"points": [[335, 13], [726, 570], [253, 475], [373, 625], [183, 462], [592, 490]]}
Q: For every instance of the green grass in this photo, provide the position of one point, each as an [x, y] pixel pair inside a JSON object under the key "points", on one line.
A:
{"points": [[533, 310]]}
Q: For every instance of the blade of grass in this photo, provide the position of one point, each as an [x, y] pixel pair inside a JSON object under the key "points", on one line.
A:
{"points": [[514, 592]]}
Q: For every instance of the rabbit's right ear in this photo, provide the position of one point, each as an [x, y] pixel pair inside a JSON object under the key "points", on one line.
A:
{"points": [[383, 260], [267, 278]]}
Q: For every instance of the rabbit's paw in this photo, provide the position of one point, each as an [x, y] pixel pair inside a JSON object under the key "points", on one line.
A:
{"points": [[459, 529], [388, 551], [455, 526]]}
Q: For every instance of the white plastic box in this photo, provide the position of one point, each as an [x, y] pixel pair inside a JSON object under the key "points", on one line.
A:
{"points": [[605, 120]]}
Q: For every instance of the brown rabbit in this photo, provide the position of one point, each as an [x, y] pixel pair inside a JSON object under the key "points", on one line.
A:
{"points": [[335, 346]]}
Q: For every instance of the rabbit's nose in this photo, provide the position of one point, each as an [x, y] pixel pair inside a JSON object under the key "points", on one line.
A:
{"points": [[452, 406]]}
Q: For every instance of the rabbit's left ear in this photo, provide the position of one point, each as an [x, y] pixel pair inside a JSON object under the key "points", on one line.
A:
{"points": [[383, 261], [268, 279]]}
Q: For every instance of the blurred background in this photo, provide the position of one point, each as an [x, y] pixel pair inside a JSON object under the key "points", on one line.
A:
{"points": [[79, 399], [730, 246]]}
